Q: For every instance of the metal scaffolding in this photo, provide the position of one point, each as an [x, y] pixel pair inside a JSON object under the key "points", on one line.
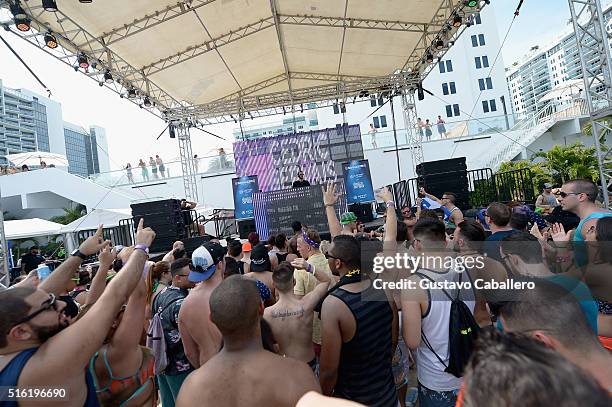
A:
{"points": [[414, 137], [189, 175], [594, 52]]}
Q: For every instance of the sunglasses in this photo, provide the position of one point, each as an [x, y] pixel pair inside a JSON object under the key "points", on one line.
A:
{"points": [[51, 303], [329, 256], [565, 194]]}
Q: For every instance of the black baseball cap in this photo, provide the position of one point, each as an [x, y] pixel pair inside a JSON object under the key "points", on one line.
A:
{"points": [[260, 261]]}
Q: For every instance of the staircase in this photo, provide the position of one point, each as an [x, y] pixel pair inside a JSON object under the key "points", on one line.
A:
{"points": [[533, 126]]}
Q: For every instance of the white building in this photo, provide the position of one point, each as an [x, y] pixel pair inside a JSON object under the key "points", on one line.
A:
{"points": [[303, 121], [546, 67]]}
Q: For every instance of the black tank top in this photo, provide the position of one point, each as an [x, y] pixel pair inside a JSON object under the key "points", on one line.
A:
{"points": [[364, 373], [281, 256]]}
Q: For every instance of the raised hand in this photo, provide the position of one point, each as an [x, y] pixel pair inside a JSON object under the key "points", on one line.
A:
{"points": [[559, 234], [94, 244], [300, 264], [107, 256], [385, 195], [330, 197], [144, 235]]}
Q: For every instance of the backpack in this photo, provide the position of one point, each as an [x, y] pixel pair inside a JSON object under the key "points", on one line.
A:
{"points": [[462, 333], [157, 341]]}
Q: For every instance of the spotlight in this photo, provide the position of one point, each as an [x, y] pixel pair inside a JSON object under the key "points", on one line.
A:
{"points": [[430, 58], [131, 93], [420, 92], [18, 11], [171, 131], [108, 77], [439, 44], [83, 62], [457, 21], [23, 24], [50, 40], [471, 3], [147, 101], [49, 5]]}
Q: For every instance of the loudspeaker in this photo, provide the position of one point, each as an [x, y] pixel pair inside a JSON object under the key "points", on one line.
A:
{"points": [[362, 211], [245, 227], [193, 243], [441, 166], [165, 218]]}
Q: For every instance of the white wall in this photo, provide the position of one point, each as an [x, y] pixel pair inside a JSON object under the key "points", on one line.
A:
{"points": [[102, 147], [55, 122]]}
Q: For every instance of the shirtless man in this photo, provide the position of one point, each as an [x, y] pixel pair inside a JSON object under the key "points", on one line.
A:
{"points": [[39, 349], [291, 317], [201, 338], [243, 373]]}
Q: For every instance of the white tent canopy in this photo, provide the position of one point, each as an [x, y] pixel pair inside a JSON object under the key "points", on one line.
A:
{"points": [[27, 228], [97, 217], [223, 57], [564, 90]]}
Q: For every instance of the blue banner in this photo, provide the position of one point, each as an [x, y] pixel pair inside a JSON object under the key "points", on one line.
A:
{"points": [[244, 188], [358, 182]]}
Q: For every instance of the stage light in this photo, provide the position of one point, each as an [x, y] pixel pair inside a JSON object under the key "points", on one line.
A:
{"points": [[49, 5], [457, 21], [147, 101], [83, 62], [439, 44], [50, 40], [420, 92], [23, 24], [18, 11], [108, 77], [430, 58], [471, 3], [131, 93], [171, 131]]}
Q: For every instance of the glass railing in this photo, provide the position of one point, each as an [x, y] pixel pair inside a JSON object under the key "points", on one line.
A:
{"points": [[218, 164], [451, 130]]}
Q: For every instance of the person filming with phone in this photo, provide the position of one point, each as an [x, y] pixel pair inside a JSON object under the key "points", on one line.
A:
{"points": [[31, 260]]}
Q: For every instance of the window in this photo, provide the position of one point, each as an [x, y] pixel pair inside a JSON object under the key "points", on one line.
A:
{"points": [[452, 110], [489, 106], [374, 102], [383, 121], [376, 122], [481, 84], [485, 61], [449, 88], [478, 20], [485, 84], [478, 62], [478, 40], [445, 66]]}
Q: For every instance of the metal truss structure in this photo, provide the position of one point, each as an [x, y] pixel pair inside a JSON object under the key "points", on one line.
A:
{"points": [[594, 52], [189, 175], [74, 40], [414, 137]]}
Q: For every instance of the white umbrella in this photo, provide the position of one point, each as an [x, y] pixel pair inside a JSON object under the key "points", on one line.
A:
{"points": [[34, 158], [569, 88]]}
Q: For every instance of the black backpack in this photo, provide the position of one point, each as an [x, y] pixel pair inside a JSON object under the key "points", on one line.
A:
{"points": [[462, 333]]}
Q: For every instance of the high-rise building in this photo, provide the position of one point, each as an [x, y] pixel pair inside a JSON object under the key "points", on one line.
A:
{"points": [[556, 64], [86, 150], [31, 122]]}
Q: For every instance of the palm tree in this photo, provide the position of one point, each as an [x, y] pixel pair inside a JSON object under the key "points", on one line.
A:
{"points": [[70, 215], [569, 162]]}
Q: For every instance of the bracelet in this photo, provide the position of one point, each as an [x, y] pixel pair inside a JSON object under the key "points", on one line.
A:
{"points": [[309, 268], [327, 205], [390, 204]]}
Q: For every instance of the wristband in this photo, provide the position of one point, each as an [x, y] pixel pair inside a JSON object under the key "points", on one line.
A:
{"points": [[142, 247], [309, 268], [326, 205], [390, 204]]}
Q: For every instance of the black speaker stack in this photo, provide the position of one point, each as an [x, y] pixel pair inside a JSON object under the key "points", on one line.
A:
{"points": [[245, 227], [438, 177], [165, 218], [362, 211]]}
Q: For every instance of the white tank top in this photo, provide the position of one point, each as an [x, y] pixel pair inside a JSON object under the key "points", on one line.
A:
{"points": [[434, 325]]}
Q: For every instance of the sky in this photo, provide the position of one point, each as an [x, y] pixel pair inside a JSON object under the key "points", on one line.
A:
{"points": [[132, 131]]}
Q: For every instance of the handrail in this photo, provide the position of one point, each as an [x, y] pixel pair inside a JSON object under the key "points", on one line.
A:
{"points": [[534, 125]]}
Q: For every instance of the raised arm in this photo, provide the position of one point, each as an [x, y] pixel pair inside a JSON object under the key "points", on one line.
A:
{"points": [[78, 342], [330, 197], [391, 222], [98, 283], [422, 191], [57, 282], [128, 334]]}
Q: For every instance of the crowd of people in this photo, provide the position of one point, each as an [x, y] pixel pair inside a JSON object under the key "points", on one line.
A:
{"points": [[276, 322], [14, 169], [424, 128]]}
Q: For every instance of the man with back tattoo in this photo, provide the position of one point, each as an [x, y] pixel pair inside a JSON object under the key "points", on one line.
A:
{"points": [[291, 317]]}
